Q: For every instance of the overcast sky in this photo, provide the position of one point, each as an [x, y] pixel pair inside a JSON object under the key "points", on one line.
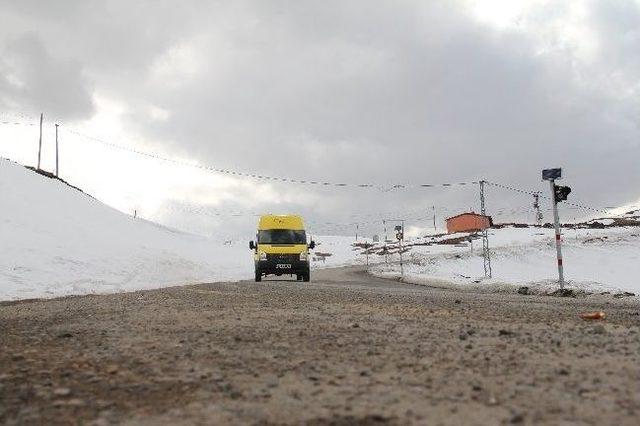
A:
{"points": [[365, 91]]}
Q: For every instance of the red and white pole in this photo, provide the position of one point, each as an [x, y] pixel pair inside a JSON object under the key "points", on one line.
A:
{"points": [[556, 220]]}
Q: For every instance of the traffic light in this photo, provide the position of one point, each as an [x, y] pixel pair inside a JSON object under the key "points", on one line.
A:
{"points": [[561, 192]]}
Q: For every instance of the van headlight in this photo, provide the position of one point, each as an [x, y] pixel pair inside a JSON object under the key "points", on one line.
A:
{"points": [[263, 255], [304, 256]]}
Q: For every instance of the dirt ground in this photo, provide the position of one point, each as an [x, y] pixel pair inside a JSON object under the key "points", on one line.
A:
{"points": [[344, 349]]}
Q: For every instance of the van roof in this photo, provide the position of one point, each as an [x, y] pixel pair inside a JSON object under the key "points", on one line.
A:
{"points": [[280, 221]]}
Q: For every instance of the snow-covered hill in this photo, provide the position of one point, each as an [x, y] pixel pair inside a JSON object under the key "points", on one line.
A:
{"points": [[57, 240]]}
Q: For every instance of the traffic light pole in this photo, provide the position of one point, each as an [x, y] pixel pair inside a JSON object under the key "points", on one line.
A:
{"points": [[556, 220]]}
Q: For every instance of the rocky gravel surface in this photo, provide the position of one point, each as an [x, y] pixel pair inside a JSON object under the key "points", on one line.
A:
{"points": [[344, 349]]}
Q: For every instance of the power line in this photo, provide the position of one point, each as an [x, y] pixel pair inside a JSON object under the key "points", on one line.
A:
{"points": [[17, 123], [315, 182], [522, 191]]}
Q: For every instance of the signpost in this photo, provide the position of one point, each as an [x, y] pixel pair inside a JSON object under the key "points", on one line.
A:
{"points": [[400, 236]]}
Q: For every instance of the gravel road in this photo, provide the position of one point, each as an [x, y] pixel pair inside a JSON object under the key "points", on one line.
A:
{"points": [[344, 349]]}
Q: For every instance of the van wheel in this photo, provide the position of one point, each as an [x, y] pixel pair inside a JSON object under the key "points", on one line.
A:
{"points": [[258, 275], [306, 276]]}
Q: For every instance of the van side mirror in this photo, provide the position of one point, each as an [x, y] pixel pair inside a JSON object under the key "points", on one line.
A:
{"points": [[312, 244], [252, 246]]}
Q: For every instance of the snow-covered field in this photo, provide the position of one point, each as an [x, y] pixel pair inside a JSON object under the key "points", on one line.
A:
{"points": [[57, 241], [595, 260]]}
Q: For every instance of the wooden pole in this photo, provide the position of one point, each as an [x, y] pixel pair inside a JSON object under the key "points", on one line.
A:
{"points": [[56, 150], [434, 219], [40, 142]]}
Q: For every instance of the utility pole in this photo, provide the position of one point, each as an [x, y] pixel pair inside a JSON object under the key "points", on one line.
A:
{"points": [[485, 236], [434, 218], [56, 150], [40, 141], [536, 205], [357, 226]]}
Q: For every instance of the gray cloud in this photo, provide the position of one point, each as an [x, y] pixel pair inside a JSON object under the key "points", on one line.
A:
{"points": [[33, 79], [355, 91]]}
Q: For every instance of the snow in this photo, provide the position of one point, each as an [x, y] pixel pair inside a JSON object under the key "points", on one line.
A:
{"points": [[595, 260], [58, 241], [343, 253]]}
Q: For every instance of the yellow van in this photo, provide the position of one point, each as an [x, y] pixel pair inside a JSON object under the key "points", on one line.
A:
{"points": [[281, 247]]}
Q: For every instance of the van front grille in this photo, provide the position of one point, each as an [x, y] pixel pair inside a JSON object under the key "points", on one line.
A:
{"points": [[282, 258]]}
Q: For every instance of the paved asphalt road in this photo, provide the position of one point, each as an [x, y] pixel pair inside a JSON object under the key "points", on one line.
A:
{"points": [[343, 349]]}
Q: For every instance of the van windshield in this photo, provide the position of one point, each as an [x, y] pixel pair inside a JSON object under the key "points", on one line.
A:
{"points": [[282, 236]]}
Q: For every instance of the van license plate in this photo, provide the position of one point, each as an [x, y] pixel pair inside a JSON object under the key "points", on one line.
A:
{"points": [[283, 266]]}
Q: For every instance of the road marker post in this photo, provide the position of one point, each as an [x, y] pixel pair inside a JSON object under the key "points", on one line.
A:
{"points": [[366, 252]]}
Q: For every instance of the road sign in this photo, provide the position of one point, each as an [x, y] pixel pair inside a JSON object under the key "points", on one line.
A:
{"points": [[552, 174]]}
